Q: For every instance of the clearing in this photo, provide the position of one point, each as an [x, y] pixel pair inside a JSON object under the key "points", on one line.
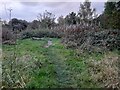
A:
{"points": [[30, 64]]}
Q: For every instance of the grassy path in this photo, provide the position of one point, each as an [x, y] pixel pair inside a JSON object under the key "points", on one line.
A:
{"points": [[56, 72], [63, 73]]}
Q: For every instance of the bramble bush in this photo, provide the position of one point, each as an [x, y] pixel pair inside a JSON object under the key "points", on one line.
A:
{"points": [[90, 38], [7, 36]]}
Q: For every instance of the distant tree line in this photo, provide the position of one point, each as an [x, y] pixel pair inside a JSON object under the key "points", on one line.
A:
{"points": [[86, 16]]}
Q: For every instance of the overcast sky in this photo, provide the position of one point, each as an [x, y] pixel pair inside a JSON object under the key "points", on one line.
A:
{"points": [[30, 10]]}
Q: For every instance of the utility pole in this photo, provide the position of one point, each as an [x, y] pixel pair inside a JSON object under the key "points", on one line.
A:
{"points": [[10, 12]]}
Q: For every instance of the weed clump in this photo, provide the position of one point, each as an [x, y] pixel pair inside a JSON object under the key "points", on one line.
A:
{"points": [[105, 72]]}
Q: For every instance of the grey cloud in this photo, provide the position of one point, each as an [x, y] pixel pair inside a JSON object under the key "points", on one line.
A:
{"points": [[54, 4], [47, 4], [30, 3], [30, 10], [66, 8]]}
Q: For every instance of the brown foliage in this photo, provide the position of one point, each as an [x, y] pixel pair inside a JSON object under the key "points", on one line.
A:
{"points": [[88, 37], [8, 37]]}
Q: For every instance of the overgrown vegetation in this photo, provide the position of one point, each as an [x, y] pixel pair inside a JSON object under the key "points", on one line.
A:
{"points": [[57, 66], [106, 71], [92, 38], [39, 34], [7, 36], [20, 65]]}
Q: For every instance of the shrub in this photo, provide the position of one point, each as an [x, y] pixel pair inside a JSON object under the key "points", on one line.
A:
{"points": [[89, 38], [26, 34], [109, 39], [7, 36], [39, 33]]}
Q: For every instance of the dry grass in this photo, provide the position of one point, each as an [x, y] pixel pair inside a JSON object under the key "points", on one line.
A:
{"points": [[106, 71], [18, 76]]}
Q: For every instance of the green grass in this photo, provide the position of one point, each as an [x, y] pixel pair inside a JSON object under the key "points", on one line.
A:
{"points": [[51, 67]]}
